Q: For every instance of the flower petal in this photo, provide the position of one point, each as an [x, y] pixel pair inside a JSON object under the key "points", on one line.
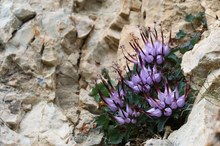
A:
{"points": [[154, 112], [120, 120]]}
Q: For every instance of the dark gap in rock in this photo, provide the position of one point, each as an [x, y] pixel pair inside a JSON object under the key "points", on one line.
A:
{"points": [[217, 136], [32, 39], [144, 14], [42, 50]]}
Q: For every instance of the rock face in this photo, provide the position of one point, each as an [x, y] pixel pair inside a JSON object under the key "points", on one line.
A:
{"points": [[51, 51], [158, 142], [200, 126], [46, 124], [206, 60]]}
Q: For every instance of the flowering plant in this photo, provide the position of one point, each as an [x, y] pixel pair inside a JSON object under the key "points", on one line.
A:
{"points": [[152, 94]]}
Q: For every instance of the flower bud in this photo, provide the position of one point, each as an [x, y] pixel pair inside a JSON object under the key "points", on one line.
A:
{"points": [[181, 101], [159, 59], [166, 50], [173, 105], [133, 121], [155, 112], [157, 77], [167, 112]]}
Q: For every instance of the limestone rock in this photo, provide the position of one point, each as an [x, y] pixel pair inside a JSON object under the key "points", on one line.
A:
{"points": [[72, 113], [211, 10], [97, 53], [125, 8], [7, 137], [84, 25], [49, 57], [57, 23], [199, 63], [78, 5], [11, 113], [136, 5], [169, 13], [118, 23], [9, 23], [2, 45], [23, 36], [210, 86], [200, 125], [24, 14], [87, 102], [45, 124], [214, 139], [85, 132], [112, 37], [73, 58], [69, 42], [67, 98], [158, 142]]}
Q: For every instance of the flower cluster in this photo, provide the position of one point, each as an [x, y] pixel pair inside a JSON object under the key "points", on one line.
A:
{"points": [[116, 102], [146, 80], [143, 80], [154, 51], [128, 115], [166, 102]]}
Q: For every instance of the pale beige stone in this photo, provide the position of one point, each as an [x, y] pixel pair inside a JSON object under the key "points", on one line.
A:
{"points": [[200, 125]]}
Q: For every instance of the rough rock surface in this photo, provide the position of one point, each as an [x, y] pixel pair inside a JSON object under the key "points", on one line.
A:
{"points": [[205, 61], [200, 125], [158, 142], [51, 51], [46, 124]]}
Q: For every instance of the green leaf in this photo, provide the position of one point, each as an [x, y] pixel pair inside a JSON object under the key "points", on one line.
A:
{"points": [[97, 98], [101, 87], [200, 15], [93, 92], [189, 18], [105, 73], [103, 121], [180, 34], [161, 123], [173, 58], [181, 87], [114, 136]]}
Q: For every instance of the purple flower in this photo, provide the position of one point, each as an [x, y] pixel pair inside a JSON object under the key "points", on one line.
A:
{"points": [[127, 115], [166, 101], [120, 120], [167, 112], [144, 79], [116, 97], [154, 112], [154, 51], [167, 96], [181, 101]]}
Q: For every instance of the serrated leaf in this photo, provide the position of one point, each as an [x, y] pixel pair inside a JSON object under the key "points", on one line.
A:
{"points": [[180, 34]]}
